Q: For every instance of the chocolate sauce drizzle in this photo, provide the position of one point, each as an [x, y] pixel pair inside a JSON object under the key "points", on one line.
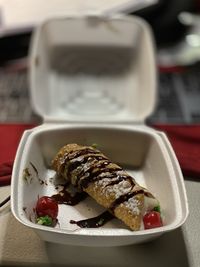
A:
{"points": [[124, 198], [121, 178], [73, 155], [95, 176], [96, 171], [94, 222], [87, 172], [75, 164], [65, 197]]}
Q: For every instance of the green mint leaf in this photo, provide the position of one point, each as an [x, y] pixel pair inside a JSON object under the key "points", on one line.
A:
{"points": [[45, 220], [157, 208], [94, 145]]}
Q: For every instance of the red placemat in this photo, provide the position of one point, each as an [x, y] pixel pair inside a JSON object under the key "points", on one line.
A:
{"points": [[184, 139], [10, 135]]}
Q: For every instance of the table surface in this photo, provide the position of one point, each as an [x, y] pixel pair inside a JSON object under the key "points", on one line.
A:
{"points": [[20, 245]]}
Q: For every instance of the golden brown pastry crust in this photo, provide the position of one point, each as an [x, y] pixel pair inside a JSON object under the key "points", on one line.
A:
{"points": [[91, 171]]}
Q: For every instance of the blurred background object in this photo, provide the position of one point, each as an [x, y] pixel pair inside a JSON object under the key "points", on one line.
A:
{"points": [[176, 28], [164, 19]]}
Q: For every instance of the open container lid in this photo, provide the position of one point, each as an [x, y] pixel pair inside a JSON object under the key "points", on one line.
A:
{"points": [[93, 69]]}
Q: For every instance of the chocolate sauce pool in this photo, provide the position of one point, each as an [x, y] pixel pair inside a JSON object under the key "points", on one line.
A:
{"points": [[64, 197], [94, 222]]}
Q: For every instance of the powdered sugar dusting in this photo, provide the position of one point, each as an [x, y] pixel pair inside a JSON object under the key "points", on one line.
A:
{"points": [[105, 181], [119, 189], [133, 205]]}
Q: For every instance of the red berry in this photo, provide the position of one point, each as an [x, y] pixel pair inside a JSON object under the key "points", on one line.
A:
{"points": [[47, 206], [152, 219]]}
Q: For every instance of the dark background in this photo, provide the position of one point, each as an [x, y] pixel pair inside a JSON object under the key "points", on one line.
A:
{"points": [[178, 86]]}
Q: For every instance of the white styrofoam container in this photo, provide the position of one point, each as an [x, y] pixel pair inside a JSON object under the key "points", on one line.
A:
{"points": [[93, 80], [93, 69]]}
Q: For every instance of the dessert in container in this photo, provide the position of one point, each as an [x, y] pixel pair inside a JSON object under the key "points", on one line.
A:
{"points": [[93, 80]]}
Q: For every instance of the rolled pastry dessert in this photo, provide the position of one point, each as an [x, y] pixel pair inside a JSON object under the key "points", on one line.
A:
{"points": [[112, 187]]}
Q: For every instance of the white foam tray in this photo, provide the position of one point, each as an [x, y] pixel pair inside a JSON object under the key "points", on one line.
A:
{"points": [[150, 160]]}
